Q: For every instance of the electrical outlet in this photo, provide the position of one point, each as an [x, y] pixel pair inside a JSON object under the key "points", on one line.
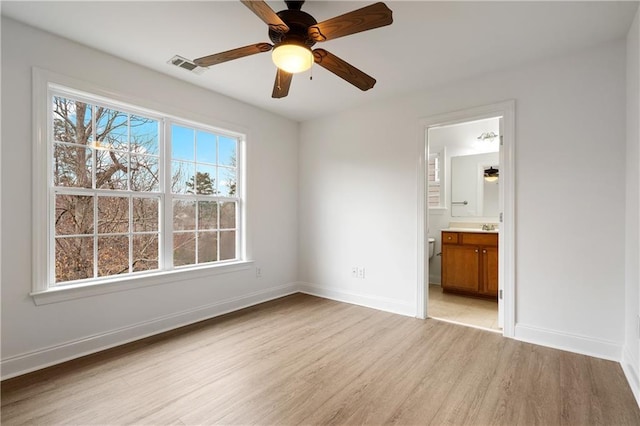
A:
{"points": [[258, 272], [361, 273], [354, 272]]}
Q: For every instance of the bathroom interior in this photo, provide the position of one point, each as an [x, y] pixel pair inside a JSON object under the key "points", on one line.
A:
{"points": [[463, 221]]}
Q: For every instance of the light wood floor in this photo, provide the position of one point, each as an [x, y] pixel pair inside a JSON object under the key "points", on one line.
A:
{"points": [[303, 359], [462, 309]]}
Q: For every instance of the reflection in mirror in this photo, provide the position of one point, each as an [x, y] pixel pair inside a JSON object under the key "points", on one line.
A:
{"points": [[435, 180], [471, 194]]}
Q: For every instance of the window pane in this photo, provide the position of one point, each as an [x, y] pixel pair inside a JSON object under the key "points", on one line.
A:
{"points": [[227, 151], [207, 215], [227, 245], [206, 147], [145, 214], [184, 215], [205, 180], [111, 169], [207, 247], [144, 173], [72, 166], [74, 258], [144, 135], [113, 215], [113, 255], [227, 215], [71, 121], [182, 142], [112, 129], [226, 182], [145, 252], [74, 215], [184, 248], [182, 177]]}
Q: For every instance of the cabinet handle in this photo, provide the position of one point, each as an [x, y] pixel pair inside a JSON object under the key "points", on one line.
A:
{"points": [[448, 238], [484, 251], [476, 250]]}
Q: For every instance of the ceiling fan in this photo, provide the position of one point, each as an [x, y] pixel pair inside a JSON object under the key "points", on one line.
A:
{"points": [[293, 33]]}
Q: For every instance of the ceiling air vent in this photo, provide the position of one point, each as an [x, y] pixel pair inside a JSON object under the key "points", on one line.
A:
{"points": [[186, 64]]}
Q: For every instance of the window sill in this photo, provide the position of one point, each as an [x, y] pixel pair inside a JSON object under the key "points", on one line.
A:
{"points": [[70, 292]]}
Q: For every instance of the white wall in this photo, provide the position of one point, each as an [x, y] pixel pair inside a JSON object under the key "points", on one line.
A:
{"points": [[631, 358], [32, 335], [358, 197]]}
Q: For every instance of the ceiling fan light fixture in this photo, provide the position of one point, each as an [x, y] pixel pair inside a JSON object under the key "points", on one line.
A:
{"points": [[292, 58]]}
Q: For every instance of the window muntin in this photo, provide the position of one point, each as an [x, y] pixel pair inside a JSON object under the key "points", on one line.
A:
{"points": [[107, 188]]}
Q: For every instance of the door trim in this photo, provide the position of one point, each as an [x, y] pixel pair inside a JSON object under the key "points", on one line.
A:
{"points": [[506, 239]]}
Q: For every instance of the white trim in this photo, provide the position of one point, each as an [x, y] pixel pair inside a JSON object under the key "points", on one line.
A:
{"points": [[130, 282], [41, 358], [576, 343], [506, 249], [40, 199], [381, 303], [422, 289], [629, 365]]}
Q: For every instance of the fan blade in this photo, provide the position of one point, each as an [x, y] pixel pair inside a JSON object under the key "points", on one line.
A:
{"points": [[343, 69], [229, 55], [282, 84], [268, 16], [369, 17]]}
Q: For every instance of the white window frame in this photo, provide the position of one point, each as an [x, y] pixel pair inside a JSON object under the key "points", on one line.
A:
{"points": [[45, 85]]}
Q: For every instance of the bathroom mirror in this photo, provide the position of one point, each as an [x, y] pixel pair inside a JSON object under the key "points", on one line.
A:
{"points": [[471, 194]]}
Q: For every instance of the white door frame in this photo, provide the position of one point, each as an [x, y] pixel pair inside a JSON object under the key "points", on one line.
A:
{"points": [[506, 238]]}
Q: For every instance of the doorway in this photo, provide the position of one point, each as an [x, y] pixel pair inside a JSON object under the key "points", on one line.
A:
{"points": [[463, 179], [468, 155]]}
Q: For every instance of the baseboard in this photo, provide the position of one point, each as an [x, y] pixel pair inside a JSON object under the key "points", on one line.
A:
{"points": [[569, 342], [630, 367], [36, 360], [380, 303]]}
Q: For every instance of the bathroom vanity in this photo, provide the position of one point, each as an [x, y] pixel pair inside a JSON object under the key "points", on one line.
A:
{"points": [[470, 263]]}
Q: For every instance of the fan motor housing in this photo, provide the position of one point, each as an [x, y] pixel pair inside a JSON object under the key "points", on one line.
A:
{"points": [[298, 23]]}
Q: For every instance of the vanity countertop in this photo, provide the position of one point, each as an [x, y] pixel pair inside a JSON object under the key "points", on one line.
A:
{"points": [[480, 230]]}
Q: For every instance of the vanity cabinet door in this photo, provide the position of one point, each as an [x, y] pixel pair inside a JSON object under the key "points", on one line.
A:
{"points": [[460, 266], [490, 271]]}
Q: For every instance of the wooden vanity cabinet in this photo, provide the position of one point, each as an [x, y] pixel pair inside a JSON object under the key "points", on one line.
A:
{"points": [[470, 263]]}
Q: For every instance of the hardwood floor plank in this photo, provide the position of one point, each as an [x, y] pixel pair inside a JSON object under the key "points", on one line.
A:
{"points": [[307, 360]]}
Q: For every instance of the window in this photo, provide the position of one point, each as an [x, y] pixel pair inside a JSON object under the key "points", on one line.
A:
{"points": [[133, 192], [203, 184], [435, 196]]}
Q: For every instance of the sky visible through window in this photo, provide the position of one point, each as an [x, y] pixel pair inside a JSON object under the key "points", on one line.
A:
{"points": [[203, 148], [207, 158]]}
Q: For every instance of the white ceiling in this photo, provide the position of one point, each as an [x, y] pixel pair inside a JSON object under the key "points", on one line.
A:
{"points": [[429, 43]]}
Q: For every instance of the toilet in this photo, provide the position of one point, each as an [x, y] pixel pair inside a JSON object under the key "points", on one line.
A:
{"points": [[432, 245]]}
